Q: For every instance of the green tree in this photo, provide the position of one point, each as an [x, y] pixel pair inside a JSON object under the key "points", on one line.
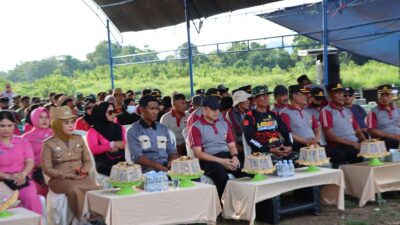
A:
{"points": [[100, 55]]}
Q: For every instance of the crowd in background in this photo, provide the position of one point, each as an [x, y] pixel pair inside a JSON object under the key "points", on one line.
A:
{"points": [[41, 151]]}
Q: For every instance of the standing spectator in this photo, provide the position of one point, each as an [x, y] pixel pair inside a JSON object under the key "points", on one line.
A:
{"points": [[8, 93]]}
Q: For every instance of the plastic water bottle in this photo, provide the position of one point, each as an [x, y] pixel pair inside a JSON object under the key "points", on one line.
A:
{"points": [[165, 181], [150, 180], [279, 168], [291, 168], [159, 181], [285, 169]]}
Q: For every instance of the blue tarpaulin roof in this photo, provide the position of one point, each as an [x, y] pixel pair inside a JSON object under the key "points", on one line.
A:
{"points": [[378, 38]]}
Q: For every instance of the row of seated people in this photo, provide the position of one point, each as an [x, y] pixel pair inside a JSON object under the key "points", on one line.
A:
{"points": [[65, 159]]}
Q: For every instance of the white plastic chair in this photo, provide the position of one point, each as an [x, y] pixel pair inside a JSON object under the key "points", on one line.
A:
{"points": [[246, 147], [172, 137]]}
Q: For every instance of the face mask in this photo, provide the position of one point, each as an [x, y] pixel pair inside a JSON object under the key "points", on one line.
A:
{"points": [[131, 109]]}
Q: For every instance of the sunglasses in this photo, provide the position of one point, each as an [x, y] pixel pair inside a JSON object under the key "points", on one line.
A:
{"points": [[110, 112], [348, 95]]}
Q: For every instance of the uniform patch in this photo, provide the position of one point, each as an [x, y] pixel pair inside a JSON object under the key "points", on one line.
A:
{"points": [[245, 123]]}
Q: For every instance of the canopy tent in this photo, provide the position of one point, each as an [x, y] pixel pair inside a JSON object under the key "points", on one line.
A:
{"points": [[138, 15], [368, 28]]}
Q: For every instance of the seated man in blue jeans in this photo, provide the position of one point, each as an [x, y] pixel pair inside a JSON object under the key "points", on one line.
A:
{"points": [[213, 143]]}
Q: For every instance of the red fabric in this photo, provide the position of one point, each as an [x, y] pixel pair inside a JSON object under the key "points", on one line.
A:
{"points": [[355, 123], [326, 119], [178, 120], [286, 119], [372, 120], [314, 122], [195, 137], [192, 119], [230, 138], [17, 131], [81, 124], [27, 127]]}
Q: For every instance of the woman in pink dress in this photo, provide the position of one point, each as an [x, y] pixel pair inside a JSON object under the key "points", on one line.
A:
{"points": [[40, 119], [16, 162]]}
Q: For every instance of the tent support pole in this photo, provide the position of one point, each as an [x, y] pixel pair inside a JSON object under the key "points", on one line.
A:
{"points": [[325, 40], [190, 57], [110, 55]]}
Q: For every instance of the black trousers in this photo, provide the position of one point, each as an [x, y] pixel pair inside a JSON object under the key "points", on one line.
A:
{"points": [[218, 173], [342, 154], [391, 143], [104, 164], [297, 146]]}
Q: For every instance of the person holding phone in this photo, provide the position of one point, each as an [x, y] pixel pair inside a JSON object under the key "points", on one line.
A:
{"points": [[66, 160]]}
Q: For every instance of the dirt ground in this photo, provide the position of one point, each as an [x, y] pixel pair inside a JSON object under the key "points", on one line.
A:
{"points": [[388, 213]]}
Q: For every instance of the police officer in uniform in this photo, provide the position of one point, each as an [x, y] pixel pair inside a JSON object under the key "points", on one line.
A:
{"points": [[303, 126], [384, 120]]}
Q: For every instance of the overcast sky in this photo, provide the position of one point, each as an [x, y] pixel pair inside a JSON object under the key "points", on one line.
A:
{"points": [[33, 30]]}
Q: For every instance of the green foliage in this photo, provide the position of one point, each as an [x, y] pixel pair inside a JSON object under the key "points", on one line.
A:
{"points": [[172, 76], [355, 222], [275, 66]]}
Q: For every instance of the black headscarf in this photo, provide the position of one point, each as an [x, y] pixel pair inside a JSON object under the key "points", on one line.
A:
{"points": [[125, 118], [89, 118], [109, 130]]}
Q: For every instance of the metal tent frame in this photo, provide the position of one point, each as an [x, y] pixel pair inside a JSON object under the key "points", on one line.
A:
{"points": [[324, 33]]}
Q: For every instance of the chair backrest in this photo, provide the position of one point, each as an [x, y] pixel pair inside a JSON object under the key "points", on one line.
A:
{"points": [[322, 139], [172, 136], [246, 147], [128, 156], [185, 134]]}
